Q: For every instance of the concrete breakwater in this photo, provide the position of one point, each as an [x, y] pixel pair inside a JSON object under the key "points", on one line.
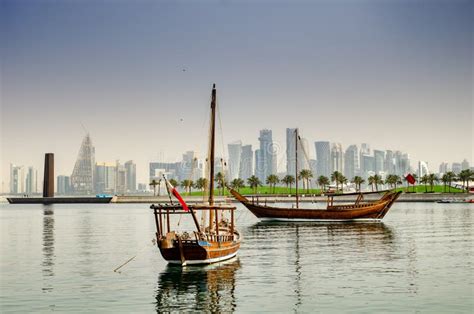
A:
{"points": [[406, 197]]}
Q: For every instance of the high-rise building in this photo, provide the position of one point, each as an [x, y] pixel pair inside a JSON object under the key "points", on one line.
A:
{"points": [[188, 166], [105, 177], [235, 157], [31, 181], [290, 151], [388, 164], [379, 156], [63, 185], [323, 158], [351, 162], [17, 179], [82, 178], [120, 178], [131, 170], [266, 156], [422, 168], [367, 163], [443, 168], [456, 167], [158, 169], [465, 165], [337, 159], [246, 163]]}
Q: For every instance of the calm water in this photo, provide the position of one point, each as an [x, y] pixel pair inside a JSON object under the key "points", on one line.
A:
{"points": [[61, 258]]}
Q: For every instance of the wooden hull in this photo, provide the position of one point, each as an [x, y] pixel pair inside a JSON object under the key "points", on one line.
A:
{"points": [[199, 252], [373, 211]]}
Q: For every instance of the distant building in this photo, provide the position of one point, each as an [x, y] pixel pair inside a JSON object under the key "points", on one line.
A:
{"points": [[105, 178], [290, 151], [388, 164], [120, 179], [379, 156], [82, 178], [323, 158], [422, 169], [351, 162], [157, 169], [465, 165], [131, 170], [188, 166], [337, 159], [142, 187], [456, 167], [246, 163], [63, 185], [365, 151], [443, 168], [31, 181], [265, 156], [17, 179], [235, 157], [367, 163]]}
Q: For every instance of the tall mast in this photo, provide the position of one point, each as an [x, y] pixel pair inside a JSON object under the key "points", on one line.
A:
{"points": [[211, 157], [296, 166]]}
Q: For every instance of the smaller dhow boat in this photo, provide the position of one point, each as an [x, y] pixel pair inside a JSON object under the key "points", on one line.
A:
{"points": [[360, 210], [215, 239]]}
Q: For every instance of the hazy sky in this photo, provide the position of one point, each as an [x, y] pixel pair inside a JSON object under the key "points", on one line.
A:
{"points": [[395, 74]]}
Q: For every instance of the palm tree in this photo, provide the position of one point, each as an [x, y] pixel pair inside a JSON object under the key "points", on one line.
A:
{"points": [[377, 180], [220, 181], [305, 175], [335, 178], [424, 180], [187, 185], [237, 184], [465, 176], [254, 183], [288, 180], [451, 176], [432, 179], [272, 180], [358, 182], [323, 181], [415, 177], [445, 180], [371, 181], [201, 184], [342, 180], [153, 184], [393, 180]]}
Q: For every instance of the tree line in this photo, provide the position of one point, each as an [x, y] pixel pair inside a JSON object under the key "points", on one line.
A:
{"points": [[337, 177]]}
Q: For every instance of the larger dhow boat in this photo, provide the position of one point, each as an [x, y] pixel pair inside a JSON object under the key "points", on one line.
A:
{"points": [[214, 239], [373, 210]]}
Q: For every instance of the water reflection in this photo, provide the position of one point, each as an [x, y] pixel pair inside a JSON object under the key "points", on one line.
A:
{"points": [[48, 247], [197, 288]]}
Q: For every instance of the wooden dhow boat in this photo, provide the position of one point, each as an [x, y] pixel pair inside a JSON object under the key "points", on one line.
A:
{"points": [[360, 210], [215, 239]]}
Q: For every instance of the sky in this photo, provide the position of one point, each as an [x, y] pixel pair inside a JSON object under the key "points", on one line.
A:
{"points": [[137, 76]]}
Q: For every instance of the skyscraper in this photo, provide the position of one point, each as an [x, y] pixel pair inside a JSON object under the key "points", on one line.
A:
{"points": [[235, 155], [465, 164], [31, 181], [266, 159], [351, 162], [131, 169], [120, 178], [422, 169], [456, 167], [379, 156], [336, 158], [290, 151], [246, 163], [105, 177], [388, 164], [323, 158], [63, 185], [82, 178], [443, 168], [17, 179]]}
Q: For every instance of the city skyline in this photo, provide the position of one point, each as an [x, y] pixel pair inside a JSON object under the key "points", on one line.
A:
{"points": [[117, 178], [391, 74]]}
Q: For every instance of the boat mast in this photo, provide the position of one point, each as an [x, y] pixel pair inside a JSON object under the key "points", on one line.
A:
{"points": [[211, 157], [296, 166]]}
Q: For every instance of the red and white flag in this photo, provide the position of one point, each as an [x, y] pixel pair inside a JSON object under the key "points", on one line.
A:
{"points": [[410, 178], [177, 195]]}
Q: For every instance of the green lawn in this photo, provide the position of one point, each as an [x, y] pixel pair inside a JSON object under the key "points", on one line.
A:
{"points": [[283, 190]]}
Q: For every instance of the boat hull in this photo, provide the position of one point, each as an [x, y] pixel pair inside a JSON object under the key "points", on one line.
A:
{"points": [[373, 211], [199, 252]]}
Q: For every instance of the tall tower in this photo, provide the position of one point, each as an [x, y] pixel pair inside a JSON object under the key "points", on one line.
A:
{"points": [[323, 158], [82, 177], [235, 155]]}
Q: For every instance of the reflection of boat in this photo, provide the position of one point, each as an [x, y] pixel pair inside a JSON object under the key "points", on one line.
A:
{"points": [[197, 289], [359, 210], [454, 200], [217, 241]]}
